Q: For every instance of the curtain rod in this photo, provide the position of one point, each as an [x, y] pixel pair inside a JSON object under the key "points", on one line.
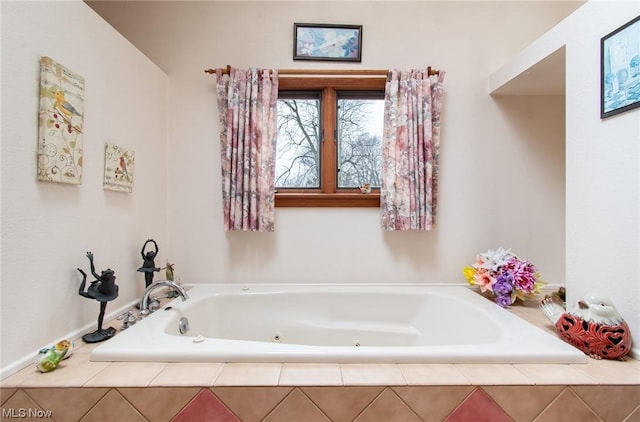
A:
{"points": [[346, 72]]}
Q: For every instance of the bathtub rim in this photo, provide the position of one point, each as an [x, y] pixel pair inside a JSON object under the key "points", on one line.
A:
{"points": [[155, 350]]}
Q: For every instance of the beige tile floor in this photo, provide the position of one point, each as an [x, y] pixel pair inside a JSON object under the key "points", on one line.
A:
{"points": [[79, 371]]}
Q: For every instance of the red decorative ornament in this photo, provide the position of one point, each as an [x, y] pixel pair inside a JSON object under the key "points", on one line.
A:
{"points": [[596, 340]]}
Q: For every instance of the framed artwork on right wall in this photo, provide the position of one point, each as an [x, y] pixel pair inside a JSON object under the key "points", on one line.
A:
{"points": [[620, 69]]}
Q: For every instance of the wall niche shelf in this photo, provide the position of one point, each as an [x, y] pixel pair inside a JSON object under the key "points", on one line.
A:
{"points": [[532, 72]]}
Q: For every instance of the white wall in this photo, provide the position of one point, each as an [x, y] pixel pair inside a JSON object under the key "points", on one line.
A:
{"points": [[603, 172], [48, 227], [502, 179], [602, 162]]}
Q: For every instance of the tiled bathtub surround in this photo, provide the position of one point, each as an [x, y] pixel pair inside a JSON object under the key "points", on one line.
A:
{"points": [[449, 403], [81, 390]]}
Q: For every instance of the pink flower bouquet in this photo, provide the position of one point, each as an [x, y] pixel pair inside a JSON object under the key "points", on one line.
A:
{"points": [[504, 277]]}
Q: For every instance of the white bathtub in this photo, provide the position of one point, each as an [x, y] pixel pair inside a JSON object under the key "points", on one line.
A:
{"points": [[336, 323]]}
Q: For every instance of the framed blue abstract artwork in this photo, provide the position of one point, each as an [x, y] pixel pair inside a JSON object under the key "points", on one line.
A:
{"points": [[620, 69], [327, 42]]}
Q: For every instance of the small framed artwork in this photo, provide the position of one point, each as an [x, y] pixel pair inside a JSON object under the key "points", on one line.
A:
{"points": [[313, 41], [118, 168], [61, 123], [620, 69]]}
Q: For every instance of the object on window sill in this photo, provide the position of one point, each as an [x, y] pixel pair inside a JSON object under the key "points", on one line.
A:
{"points": [[366, 188]]}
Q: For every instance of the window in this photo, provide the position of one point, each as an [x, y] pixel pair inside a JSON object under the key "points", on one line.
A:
{"points": [[359, 138], [299, 140], [329, 141]]}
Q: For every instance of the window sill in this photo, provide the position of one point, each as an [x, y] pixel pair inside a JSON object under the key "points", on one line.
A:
{"points": [[371, 200]]}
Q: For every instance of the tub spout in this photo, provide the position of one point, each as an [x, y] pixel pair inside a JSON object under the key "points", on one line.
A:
{"points": [[144, 302]]}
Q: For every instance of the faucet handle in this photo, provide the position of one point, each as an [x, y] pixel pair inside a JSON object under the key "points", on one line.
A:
{"points": [[131, 319], [128, 320], [154, 305]]}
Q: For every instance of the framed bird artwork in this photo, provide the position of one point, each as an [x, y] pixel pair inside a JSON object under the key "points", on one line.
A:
{"points": [[118, 168], [61, 120]]}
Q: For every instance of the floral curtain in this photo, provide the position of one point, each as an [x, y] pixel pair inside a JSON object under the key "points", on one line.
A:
{"points": [[410, 144], [247, 103]]}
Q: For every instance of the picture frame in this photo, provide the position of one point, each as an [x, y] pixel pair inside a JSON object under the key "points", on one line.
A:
{"points": [[61, 124], [118, 168], [327, 42], [620, 69]]}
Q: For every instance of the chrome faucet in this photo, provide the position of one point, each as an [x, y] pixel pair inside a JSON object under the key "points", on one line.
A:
{"points": [[144, 302]]}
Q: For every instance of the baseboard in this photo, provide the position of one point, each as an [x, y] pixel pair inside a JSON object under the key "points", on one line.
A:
{"points": [[75, 335]]}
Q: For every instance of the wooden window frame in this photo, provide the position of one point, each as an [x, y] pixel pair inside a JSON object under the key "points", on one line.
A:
{"points": [[328, 195]]}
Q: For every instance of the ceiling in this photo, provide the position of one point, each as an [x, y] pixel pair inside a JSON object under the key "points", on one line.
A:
{"points": [[547, 77]]}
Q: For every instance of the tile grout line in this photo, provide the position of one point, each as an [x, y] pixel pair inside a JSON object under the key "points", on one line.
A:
{"points": [[404, 377], [373, 400], [117, 390], [279, 376], [213, 383], [314, 403], [627, 418], [96, 374], [390, 387], [457, 366], [15, 390], [533, 382], [155, 376], [570, 387], [188, 403], [279, 403], [548, 406], [464, 399]]}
